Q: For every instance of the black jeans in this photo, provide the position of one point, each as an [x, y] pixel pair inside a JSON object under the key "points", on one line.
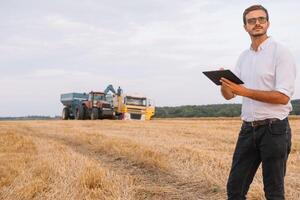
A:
{"points": [[268, 144]]}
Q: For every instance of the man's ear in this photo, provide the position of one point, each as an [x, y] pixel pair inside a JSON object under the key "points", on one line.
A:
{"points": [[268, 24], [245, 27]]}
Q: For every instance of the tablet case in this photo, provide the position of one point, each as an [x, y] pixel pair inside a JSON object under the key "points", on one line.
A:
{"points": [[215, 76]]}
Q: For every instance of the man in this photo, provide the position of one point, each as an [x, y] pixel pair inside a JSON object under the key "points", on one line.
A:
{"points": [[268, 72]]}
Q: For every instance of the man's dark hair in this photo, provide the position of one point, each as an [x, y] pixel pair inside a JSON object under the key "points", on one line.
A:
{"points": [[252, 8]]}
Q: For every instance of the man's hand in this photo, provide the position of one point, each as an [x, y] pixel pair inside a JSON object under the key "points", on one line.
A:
{"points": [[226, 91], [233, 87]]}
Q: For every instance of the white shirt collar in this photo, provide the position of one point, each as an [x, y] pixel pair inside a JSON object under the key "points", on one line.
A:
{"points": [[264, 44]]}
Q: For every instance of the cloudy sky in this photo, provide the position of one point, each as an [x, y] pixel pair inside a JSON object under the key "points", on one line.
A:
{"points": [[156, 48]]}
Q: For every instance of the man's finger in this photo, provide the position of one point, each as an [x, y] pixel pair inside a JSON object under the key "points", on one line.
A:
{"points": [[226, 81], [226, 84]]}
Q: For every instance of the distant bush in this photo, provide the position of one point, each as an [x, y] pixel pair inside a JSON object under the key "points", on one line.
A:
{"points": [[31, 117]]}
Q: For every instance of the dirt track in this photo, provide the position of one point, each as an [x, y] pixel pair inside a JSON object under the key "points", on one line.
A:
{"points": [[162, 159]]}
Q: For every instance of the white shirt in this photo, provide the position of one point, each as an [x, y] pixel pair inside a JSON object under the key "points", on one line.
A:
{"points": [[270, 68]]}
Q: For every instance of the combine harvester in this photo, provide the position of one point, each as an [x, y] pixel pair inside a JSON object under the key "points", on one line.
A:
{"points": [[103, 105], [128, 107]]}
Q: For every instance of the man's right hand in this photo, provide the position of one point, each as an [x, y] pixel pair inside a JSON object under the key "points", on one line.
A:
{"points": [[226, 91]]}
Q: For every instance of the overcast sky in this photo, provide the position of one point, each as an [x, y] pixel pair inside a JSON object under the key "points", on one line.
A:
{"points": [[156, 48]]}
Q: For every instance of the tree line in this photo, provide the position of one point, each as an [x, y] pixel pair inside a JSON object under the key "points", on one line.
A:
{"points": [[215, 110], [30, 117]]}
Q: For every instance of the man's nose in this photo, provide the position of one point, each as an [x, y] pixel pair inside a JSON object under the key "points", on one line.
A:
{"points": [[257, 22]]}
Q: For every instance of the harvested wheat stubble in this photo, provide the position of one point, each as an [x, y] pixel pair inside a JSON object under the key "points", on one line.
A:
{"points": [[159, 159]]}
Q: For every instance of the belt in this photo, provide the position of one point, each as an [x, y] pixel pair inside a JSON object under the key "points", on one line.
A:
{"points": [[261, 122]]}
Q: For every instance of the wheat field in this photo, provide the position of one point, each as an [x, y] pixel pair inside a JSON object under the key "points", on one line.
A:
{"points": [[185, 159]]}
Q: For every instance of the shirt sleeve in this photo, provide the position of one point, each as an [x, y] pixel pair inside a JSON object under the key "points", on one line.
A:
{"points": [[285, 72], [237, 68]]}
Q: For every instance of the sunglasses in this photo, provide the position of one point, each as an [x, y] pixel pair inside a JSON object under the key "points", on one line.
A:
{"points": [[261, 20]]}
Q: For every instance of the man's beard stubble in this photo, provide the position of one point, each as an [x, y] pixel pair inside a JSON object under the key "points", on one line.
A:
{"points": [[258, 34]]}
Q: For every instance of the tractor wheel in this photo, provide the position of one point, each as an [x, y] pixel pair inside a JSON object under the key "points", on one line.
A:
{"points": [[101, 116], [66, 113], [79, 115], [86, 113], [95, 114], [120, 116]]}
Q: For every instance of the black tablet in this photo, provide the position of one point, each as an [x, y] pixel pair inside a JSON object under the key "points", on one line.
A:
{"points": [[215, 76]]}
